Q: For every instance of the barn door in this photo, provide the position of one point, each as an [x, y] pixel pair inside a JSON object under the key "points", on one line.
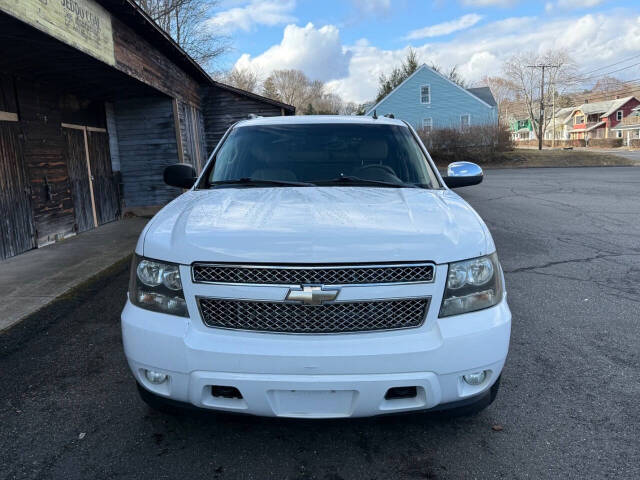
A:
{"points": [[95, 193], [76, 159], [105, 189], [16, 217]]}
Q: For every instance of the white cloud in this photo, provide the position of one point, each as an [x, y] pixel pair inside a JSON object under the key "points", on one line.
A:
{"points": [[572, 4], [352, 71], [255, 12], [489, 3], [445, 28], [316, 51]]}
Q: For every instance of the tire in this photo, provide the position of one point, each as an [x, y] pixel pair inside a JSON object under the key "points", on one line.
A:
{"points": [[158, 403]]}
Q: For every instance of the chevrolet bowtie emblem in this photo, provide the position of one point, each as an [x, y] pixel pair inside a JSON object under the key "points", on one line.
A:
{"points": [[311, 295]]}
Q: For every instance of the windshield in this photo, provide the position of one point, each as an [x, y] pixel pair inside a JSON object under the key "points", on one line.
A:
{"points": [[321, 154]]}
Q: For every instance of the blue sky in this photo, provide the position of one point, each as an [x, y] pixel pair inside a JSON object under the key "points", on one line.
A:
{"points": [[349, 43]]}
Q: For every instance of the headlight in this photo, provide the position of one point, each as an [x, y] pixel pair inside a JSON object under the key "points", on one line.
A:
{"points": [[157, 286], [472, 285]]}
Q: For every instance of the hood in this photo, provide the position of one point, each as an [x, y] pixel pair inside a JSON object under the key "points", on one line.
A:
{"points": [[316, 225]]}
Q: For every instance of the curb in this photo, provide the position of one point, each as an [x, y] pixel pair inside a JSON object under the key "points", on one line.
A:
{"points": [[107, 271]]}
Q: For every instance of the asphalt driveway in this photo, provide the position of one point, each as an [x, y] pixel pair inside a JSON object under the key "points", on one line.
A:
{"points": [[569, 406]]}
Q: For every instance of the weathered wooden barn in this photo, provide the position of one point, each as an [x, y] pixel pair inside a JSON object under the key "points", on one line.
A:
{"points": [[95, 100]]}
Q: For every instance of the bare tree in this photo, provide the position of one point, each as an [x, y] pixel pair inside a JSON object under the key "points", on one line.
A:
{"points": [[532, 88], [186, 22], [288, 86], [608, 84], [503, 90], [308, 96], [244, 79]]}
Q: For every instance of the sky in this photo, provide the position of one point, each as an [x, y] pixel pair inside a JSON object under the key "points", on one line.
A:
{"points": [[349, 43]]}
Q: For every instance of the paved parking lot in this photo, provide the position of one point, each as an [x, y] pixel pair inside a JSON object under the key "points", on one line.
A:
{"points": [[569, 406]]}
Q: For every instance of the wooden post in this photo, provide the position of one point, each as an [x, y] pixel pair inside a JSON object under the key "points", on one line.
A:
{"points": [[176, 123], [93, 200]]}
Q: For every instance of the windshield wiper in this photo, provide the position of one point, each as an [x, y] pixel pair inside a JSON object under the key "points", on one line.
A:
{"points": [[255, 182], [350, 180]]}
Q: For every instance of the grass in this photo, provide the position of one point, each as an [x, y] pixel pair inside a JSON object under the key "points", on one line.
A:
{"points": [[524, 158]]}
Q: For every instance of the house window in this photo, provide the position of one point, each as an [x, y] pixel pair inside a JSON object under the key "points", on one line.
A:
{"points": [[619, 115], [425, 94], [427, 124], [619, 132], [465, 121], [579, 119]]}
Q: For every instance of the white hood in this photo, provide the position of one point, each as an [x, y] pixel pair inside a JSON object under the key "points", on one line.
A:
{"points": [[316, 225]]}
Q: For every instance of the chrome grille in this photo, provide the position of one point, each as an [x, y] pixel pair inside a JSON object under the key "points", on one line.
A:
{"points": [[336, 317], [289, 275]]}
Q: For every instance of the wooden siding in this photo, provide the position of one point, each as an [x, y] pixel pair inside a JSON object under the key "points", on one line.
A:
{"points": [[51, 197], [16, 221], [105, 188], [114, 151], [147, 144], [7, 94], [448, 103], [138, 58], [192, 135], [76, 159], [222, 108]]}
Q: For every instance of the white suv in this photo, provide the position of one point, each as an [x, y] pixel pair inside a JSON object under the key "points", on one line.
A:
{"points": [[318, 267]]}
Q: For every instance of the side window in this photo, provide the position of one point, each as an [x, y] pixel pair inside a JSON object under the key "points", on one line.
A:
{"points": [[425, 94], [619, 115], [427, 125], [465, 121]]}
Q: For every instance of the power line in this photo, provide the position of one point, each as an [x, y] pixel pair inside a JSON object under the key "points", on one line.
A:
{"points": [[612, 65], [602, 75]]}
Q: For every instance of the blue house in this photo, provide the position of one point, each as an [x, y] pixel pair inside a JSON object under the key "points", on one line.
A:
{"points": [[428, 100]]}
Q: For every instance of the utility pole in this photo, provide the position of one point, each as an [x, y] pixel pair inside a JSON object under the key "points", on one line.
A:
{"points": [[553, 115], [542, 66]]}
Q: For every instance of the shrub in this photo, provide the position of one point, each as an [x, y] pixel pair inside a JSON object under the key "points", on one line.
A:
{"points": [[634, 143], [485, 138], [549, 143], [605, 142]]}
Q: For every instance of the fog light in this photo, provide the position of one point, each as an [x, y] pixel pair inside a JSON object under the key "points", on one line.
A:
{"points": [[475, 378], [155, 377]]}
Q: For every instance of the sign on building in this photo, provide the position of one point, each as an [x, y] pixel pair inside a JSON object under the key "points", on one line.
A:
{"points": [[82, 24]]}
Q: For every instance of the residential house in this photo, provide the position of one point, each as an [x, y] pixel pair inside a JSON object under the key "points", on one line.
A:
{"points": [[429, 100], [629, 127], [597, 119], [560, 124], [521, 129]]}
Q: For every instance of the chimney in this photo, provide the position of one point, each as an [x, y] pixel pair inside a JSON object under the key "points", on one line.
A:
{"points": [[586, 100], [617, 97]]}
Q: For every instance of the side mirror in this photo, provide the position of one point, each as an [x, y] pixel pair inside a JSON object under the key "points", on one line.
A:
{"points": [[180, 175], [463, 174]]}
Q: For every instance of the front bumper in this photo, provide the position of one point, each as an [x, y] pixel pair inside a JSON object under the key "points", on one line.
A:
{"points": [[317, 376]]}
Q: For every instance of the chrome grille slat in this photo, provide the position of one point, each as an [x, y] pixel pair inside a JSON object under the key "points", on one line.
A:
{"points": [[329, 275], [339, 317]]}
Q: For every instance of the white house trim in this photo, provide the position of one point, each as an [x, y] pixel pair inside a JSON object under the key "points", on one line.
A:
{"points": [[428, 85], [468, 115]]}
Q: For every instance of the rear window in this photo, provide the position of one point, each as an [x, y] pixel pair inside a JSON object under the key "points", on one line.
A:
{"points": [[322, 153]]}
